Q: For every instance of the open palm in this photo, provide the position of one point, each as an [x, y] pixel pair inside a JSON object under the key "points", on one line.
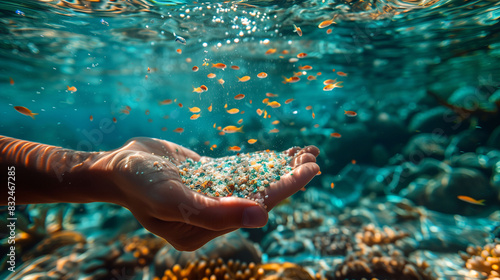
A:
{"points": [[145, 174]]}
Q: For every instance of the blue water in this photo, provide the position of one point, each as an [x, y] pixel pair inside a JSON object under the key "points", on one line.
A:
{"points": [[422, 76]]}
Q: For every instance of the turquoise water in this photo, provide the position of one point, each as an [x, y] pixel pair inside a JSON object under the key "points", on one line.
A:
{"points": [[422, 76]]}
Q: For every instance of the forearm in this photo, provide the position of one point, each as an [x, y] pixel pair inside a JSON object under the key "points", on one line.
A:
{"points": [[49, 174]]}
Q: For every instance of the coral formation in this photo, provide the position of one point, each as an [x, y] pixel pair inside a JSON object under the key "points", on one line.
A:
{"points": [[483, 261]]}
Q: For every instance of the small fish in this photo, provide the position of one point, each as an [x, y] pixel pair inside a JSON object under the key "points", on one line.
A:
{"points": [[232, 129], [252, 141], [353, 161], [326, 23], [211, 75], [239, 96], [240, 121], [297, 74], [149, 70], [350, 113], [335, 135], [114, 120], [19, 12], [309, 107], [329, 81], [301, 55], [221, 82], [285, 52], [262, 75], [11, 81], [471, 200], [269, 94], [329, 31], [219, 65], [194, 109], [165, 102], [210, 109], [225, 106], [179, 51], [243, 79], [195, 68], [289, 100], [233, 111], [274, 104], [195, 116], [179, 130], [313, 115], [330, 87], [332, 185], [270, 51], [316, 125], [297, 29], [292, 79], [204, 87], [259, 112], [340, 73], [311, 78], [305, 68], [275, 122], [235, 67], [234, 148], [213, 147], [179, 39], [180, 105], [197, 90], [274, 130], [72, 89], [265, 100], [25, 111]]}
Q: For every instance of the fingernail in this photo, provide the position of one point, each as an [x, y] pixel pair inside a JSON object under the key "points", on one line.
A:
{"points": [[254, 217]]}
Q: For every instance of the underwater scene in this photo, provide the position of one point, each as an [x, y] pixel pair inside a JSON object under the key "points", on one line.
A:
{"points": [[395, 101]]}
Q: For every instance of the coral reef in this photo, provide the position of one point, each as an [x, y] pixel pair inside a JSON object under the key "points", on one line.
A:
{"points": [[483, 261]]}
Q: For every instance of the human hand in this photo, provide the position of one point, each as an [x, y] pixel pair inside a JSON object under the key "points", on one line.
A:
{"points": [[149, 185]]}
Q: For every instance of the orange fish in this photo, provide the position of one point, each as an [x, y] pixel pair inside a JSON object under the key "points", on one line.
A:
{"points": [[149, 70], [259, 112], [165, 102], [91, 118], [270, 51], [225, 106], [114, 119], [316, 125], [326, 23], [234, 148], [204, 87], [179, 130], [298, 30], [195, 116], [311, 77], [240, 121], [72, 89], [262, 75], [329, 81], [335, 135], [471, 200], [234, 67], [318, 74], [265, 100], [221, 82], [243, 79], [301, 55], [309, 107], [297, 74], [211, 75], [289, 100], [195, 68], [210, 108], [219, 65], [180, 105], [251, 141], [11, 81], [269, 94], [239, 96], [306, 67], [275, 122], [350, 113], [197, 90], [233, 111], [313, 115], [332, 185], [274, 130], [25, 111], [341, 74], [232, 129], [194, 110], [213, 147], [292, 79], [285, 52], [274, 104], [330, 87], [329, 31], [179, 51]]}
